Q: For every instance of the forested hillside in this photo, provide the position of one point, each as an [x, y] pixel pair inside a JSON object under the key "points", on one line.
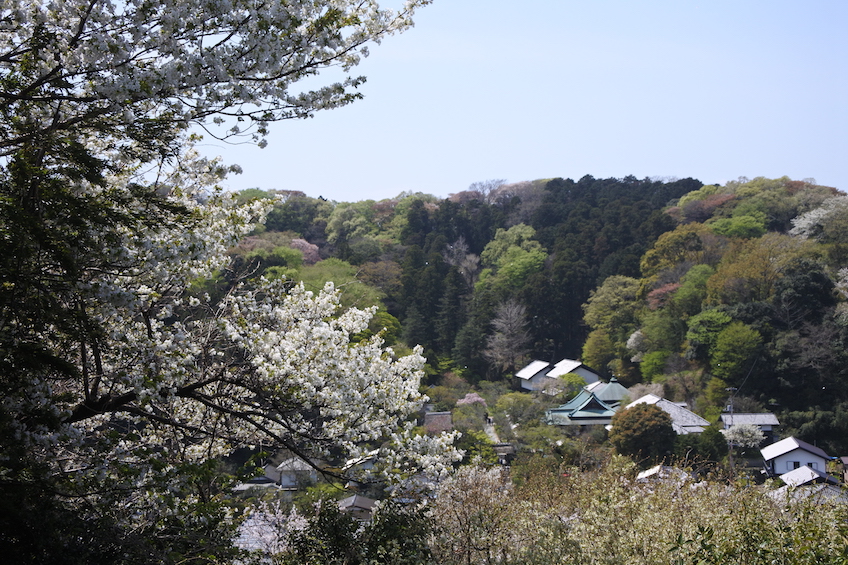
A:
{"points": [[696, 288]]}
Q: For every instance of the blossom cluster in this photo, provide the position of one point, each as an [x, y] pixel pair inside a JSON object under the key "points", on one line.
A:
{"points": [[234, 63]]}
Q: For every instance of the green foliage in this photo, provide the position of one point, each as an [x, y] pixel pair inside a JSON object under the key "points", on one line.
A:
{"points": [[644, 433], [745, 227], [826, 425], [599, 350], [571, 384], [516, 264], [519, 237], [469, 417], [302, 215], [685, 243], [386, 325], [750, 269], [690, 297], [397, 534], [478, 447], [704, 450], [613, 307], [735, 349], [704, 329], [663, 330], [653, 365], [343, 275], [249, 194]]}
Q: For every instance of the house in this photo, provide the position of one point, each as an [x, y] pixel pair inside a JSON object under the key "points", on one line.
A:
{"points": [[541, 375], [438, 422], [683, 420], [572, 366], [535, 376], [585, 409], [766, 421], [256, 483], [790, 454], [844, 468], [817, 493], [805, 475], [291, 473], [358, 506]]}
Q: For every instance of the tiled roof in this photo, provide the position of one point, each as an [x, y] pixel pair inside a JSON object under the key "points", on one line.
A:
{"points": [[613, 392], [757, 419], [683, 420], [357, 501], [583, 409]]}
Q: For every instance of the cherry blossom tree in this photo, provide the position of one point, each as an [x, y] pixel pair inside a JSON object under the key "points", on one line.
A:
{"points": [[121, 384], [134, 69]]}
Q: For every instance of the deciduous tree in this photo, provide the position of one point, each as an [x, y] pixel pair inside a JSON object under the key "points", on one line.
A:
{"points": [[119, 387], [643, 432]]}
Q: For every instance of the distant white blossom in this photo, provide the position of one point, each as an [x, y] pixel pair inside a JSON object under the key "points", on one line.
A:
{"points": [[744, 435]]}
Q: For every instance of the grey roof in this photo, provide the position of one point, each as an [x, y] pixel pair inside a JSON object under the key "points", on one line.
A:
{"points": [[612, 392], [822, 493], [757, 419], [584, 409], [784, 446], [595, 386], [683, 420], [357, 501]]}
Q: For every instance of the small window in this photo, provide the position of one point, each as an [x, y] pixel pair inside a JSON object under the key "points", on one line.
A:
{"points": [[811, 465], [793, 465]]}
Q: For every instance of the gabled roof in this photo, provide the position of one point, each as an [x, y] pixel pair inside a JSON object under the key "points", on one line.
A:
{"points": [[788, 445], [566, 366], [757, 419], [584, 409], [532, 369], [356, 502], [805, 475], [294, 464], [578, 400], [683, 420]]}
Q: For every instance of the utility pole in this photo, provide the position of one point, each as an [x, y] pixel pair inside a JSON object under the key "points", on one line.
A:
{"points": [[732, 391]]}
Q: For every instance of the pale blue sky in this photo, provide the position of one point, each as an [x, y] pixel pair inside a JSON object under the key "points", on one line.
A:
{"points": [[521, 90]]}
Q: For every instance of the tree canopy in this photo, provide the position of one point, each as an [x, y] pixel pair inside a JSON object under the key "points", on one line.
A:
{"points": [[123, 381]]}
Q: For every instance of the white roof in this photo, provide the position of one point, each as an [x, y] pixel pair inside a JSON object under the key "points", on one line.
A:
{"points": [[532, 369], [663, 472], [789, 444], [804, 475], [294, 464], [564, 367]]}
